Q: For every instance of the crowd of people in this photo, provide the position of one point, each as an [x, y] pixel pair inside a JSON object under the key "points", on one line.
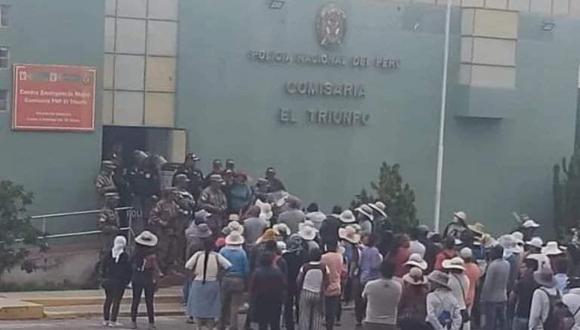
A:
{"points": [[294, 267]]}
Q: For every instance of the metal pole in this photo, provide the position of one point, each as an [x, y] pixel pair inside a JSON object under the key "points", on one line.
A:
{"points": [[440, 148]]}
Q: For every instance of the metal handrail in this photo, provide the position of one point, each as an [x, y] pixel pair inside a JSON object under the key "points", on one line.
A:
{"points": [[67, 214], [45, 217]]}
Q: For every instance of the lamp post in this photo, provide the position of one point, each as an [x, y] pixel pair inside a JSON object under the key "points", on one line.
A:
{"points": [[440, 148]]}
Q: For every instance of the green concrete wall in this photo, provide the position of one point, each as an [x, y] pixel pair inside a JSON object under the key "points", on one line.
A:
{"points": [[59, 168], [230, 105]]}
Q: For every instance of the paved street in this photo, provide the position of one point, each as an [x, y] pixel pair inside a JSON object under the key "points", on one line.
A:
{"points": [[163, 323]]}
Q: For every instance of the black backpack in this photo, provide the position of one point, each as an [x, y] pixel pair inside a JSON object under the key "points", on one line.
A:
{"points": [[559, 316]]}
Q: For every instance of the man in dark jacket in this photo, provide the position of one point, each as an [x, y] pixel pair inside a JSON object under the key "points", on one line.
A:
{"points": [[329, 229]]}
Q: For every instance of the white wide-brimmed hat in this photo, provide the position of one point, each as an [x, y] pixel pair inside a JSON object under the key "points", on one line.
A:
{"points": [[379, 207], [146, 238], [530, 224], [282, 229], [535, 242], [235, 238], [460, 215], [365, 210], [416, 260], [349, 234], [307, 232], [415, 277], [306, 223], [551, 249], [455, 263], [347, 217]]}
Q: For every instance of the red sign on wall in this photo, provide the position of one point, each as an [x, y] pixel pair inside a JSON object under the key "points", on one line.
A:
{"points": [[54, 97]]}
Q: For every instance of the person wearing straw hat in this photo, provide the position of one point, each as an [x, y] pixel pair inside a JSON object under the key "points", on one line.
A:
{"points": [[459, 285], [529, 228], [204, 303], [308, 234], [233, 226], [494, 291], [413, 304], [541, 308], [350, 242], [234, 280], [382, 296], [443, 312], [146, 273], [116, 274], [197, 233], [108, 222], [365, 218], [312, 281], [457, 226], [213, 200], [415, 260], [313, 214], [294, 216], [473, 273]]}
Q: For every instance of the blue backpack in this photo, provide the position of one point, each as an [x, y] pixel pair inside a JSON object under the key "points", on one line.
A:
{"points": [[444, 317]]}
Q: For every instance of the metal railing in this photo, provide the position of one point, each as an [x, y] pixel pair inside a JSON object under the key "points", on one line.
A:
{"points": [[46, 217]]}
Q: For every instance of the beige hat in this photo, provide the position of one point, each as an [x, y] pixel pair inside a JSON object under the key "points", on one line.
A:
{"points": [[531, 224], [460, 215], [415, 277], [416, 260], [347, 217], [146, 238], [466, 253], [455, 263], [551, 249], [349, 234], [282, 229], [234, 217], [535, 242], [379, 207], [235, 226], [235, 238], [308, 233], [439, 277], [365, 210], [545, 277]]}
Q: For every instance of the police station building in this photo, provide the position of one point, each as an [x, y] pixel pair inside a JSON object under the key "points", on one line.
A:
{"points": [[322, 90]]}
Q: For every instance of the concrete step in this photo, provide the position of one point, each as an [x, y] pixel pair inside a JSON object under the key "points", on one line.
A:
{"points": [[87, 311], [87, 297], [85, 301], [11, 309]]}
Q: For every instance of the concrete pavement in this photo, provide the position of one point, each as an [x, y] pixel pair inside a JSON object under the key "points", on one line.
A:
{"points": [[163, 323]]}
